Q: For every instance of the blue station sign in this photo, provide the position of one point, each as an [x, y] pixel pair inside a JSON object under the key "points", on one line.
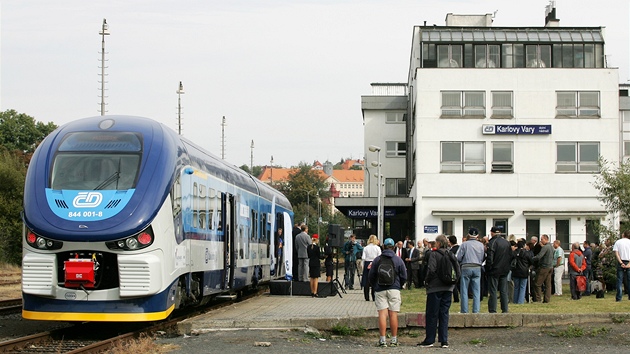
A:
{"points": [[430, 229], [516, 129], [369, 213]]}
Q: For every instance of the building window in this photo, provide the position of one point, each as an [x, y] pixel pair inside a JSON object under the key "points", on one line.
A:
{"points": [[395, 187], [532, 228], [487, 56], [626, 148], [502, 156], [480, 225], [578, 55], [592, 229], [577, 157], [574, 104], [463, 157], [502, 105], [447, 227], [513, 55], [538, 56], [463, 104], [449, 56], [563, 231], [396, 148], [396, 117]]}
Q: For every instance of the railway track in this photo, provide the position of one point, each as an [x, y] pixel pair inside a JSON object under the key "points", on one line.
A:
{"points": [[94, 337], [10, 306]]}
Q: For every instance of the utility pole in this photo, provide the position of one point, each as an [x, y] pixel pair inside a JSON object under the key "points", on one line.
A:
{"points": [[180, 92], [251, 159], [104, 32], [223, 124]]}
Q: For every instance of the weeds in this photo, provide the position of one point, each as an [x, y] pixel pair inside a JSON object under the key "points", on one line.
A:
{"points": [[343, 330], [571, 332], [599, 331], [619, 318], [478, 341]]}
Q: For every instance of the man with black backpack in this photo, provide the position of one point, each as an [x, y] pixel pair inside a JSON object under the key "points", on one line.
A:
{"points": [[442, 274], [387, 274]]}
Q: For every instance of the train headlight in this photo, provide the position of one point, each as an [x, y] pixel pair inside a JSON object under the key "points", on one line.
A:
{"points": [[41, 243], [133, 243]]}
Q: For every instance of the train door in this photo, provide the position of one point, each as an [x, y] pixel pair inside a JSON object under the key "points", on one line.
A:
{"points": [[229, 225]]}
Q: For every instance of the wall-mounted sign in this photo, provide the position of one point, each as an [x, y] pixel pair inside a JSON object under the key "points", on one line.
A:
{"points": [[516, 129], [430, 229], [369, 213]]}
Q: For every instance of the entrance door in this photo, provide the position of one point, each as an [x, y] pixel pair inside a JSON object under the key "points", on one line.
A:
{"points": [[229, 224]]}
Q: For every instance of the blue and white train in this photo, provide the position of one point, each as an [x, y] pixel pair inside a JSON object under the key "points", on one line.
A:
{"points": [[124, 220]]}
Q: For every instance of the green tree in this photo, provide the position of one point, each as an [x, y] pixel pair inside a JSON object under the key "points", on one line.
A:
{"points": [[256, 171], [12, 173], [613, 184], [302, 188], [20, 132]]}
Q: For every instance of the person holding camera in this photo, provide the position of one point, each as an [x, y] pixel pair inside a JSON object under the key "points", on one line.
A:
{"points": [[350, 250]]}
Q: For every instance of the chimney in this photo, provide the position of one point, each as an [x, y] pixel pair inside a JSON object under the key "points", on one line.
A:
{"points": [[550, 15]]}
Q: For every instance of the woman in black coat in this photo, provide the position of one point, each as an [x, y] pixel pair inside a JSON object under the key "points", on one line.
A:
{"points": [[520, 271], [314, 265]]}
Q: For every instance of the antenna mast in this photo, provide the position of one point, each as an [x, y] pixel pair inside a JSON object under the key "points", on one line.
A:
{"points": [[223, 124], [104, 32]]}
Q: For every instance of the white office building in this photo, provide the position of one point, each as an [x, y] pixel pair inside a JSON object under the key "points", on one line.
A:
{"points": [[499, 127]]}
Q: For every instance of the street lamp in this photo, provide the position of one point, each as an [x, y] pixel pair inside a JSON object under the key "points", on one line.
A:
{"points": [[180, 92], [380, 204], [104, 32]]}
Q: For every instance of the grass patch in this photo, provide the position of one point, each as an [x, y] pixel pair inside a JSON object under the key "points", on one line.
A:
{"points": [[143, 345], [570, 332], [343, 330], [619, 318], [599, 331], [478, 341], [414, 300]]}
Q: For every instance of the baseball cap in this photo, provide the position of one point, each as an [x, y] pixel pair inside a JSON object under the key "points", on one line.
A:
{"points": [[495, 229], [388, 242], [473, 232]]}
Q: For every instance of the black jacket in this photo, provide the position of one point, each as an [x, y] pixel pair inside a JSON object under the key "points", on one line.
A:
{"points": [[523, 263], [499, 257]]}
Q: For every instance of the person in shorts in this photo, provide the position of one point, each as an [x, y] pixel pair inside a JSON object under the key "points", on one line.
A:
{"points": [[387, 297]]}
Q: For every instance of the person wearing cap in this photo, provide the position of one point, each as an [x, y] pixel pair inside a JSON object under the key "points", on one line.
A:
{"points": [[498, 263], [470, 256], [314, 271], [387, 297]]}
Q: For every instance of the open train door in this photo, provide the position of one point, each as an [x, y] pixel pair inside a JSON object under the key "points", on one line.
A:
{"points": [[288, 247], [229, 221]]}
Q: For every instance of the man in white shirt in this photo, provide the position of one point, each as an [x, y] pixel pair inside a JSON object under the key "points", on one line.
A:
{"points": [[622, 253]]}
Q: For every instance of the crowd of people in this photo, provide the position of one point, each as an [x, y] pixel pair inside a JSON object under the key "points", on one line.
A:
{"points": [[503, 269]]}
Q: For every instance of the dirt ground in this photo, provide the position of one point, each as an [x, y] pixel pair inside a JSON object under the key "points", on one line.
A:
{"points": [[613, 337]]}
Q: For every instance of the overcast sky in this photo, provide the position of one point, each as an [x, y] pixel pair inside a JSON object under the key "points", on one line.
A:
{"points": [[288, 74]]}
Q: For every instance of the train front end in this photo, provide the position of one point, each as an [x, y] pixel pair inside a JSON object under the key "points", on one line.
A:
{"points": [[97, 221]]}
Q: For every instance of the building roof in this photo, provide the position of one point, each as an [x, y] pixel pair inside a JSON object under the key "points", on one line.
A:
{"points": [[349, 176], [349, 163], [282, 174], [512, 34]]}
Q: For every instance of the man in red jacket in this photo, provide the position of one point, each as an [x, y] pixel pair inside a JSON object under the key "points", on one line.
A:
{"points": [[577, 264]]}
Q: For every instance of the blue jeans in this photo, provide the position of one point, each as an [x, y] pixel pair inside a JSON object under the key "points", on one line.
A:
{"points": [[497, 283], [472, 276], [520, 288], [436, 318], [623, 277]]}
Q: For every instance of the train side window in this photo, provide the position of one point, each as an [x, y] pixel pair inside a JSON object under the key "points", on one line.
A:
{"points": [[212, 202], [219, 210], [202, 207], [195, 203], [176, 194], [264, 228], [254, 225]]}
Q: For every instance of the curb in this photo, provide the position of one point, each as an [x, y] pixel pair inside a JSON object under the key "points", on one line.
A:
{"points": [[407, 320]]}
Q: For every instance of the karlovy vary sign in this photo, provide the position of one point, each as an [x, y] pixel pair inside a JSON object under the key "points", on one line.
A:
{"points": [[516, 129]]}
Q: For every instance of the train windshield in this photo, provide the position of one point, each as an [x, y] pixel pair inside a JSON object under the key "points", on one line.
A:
{"points": [[97, 161]]}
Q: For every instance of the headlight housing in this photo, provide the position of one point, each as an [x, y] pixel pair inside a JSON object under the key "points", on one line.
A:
{"points": [[41, 243], [132, 243]]}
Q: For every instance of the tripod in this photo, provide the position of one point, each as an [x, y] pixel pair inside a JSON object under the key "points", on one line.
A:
{"points": [[335, 281]]}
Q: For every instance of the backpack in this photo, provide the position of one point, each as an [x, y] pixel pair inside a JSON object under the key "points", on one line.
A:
{"points": [[386, 272], [447, 268]]}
